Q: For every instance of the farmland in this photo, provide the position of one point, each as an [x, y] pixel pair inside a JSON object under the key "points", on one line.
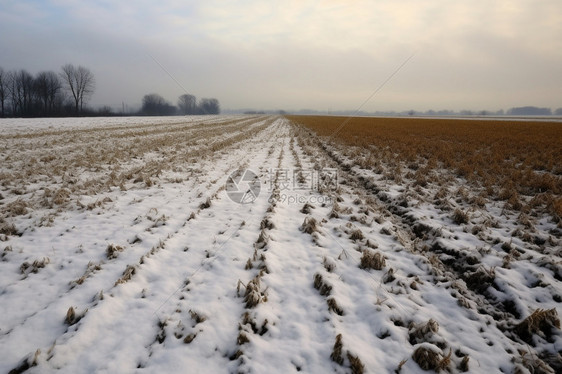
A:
{"points": [[383, 245]]}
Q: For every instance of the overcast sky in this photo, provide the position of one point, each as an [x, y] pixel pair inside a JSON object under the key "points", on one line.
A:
{"points": [[324, 55]]}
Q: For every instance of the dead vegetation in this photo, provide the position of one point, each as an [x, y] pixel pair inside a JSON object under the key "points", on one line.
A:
{"points": [[480, 280], [73, 317], [509, 160], [320, 284], [528, 362], [90, 269], [34, 267], [329, 264], [338, 357], [355, 364], [429, 357], [334, 307], [206, 204], [112, 251], [356, 235], [372, 260], [26, 363], [127, 275], [253, 295], [256, 328], [189, 338], [309, 226], [460, 217], [15, 208], [542, 322], [8, 229], [423, 332], [336, 354], [68, 165], [476, 276], [197, 317]]}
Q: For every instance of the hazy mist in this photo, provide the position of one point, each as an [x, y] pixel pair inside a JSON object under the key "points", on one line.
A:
{"points": [[324, 55]]}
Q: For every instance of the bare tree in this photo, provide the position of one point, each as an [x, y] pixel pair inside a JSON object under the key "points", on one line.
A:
{"points": [[209, 106], [47, 87], [3, 91], [20, 91], [11, 92], [187, 104], [80, 83], [155, 105]]}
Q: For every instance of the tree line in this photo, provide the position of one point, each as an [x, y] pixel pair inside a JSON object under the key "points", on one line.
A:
{"points": [[46, 94], [155, 105]]}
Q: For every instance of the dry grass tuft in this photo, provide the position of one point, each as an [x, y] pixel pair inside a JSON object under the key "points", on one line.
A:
{"points": [[356, 235], [189, 338], [357, 366], [399, 368], [329, 264], [127, 275], [34, 267], [61, 196], [91, 268], [72, 317], [534, 364], [206, 204], [480, 280], [266, 224], [112, 251], [556, 208], [307, 208], [309, 225], [334, 213], [249, 265], [336, 355], [161, 336], [427, 356], [16, 208], [196, 317], [372, 260], [463, 366], [541, 322], [459, 217], [334, 307], [247, 320], [8, 229], [422, 333], [236, 355], [253, 295], [26, 363], [324, 288], [262, 240], [445, 362], [242, 338], [389, 276]]}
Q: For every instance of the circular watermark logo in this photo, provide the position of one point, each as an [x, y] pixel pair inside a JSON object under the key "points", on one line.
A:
{"points": [[243, 187]]}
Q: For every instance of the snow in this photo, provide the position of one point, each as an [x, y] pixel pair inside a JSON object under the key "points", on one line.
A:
{"points": [[183, 308]]}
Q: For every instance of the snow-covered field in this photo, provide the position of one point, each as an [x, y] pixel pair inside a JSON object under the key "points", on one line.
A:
{"points": [[122, 251]]}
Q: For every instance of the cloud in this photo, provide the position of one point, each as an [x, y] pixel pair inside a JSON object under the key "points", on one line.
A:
{"points": [[294, 54]]}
